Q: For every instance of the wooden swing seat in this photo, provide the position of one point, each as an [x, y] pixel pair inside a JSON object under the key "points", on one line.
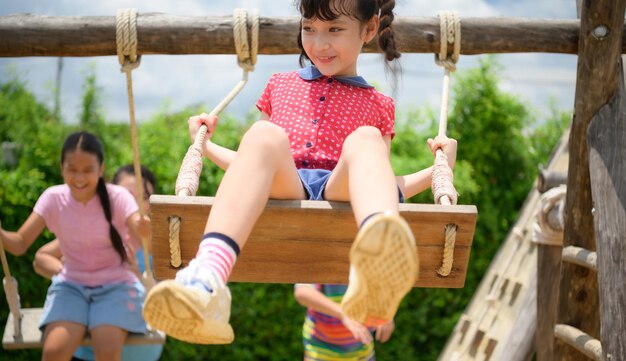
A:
{"points": [[31, 336], [309, 241]]}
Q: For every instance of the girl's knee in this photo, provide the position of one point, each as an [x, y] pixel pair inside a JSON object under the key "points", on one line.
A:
{"points": [[55, 351], [264, 135], [363, 138]]}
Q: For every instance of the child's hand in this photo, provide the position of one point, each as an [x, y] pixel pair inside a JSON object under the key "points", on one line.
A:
{"points": [[359, 331], [197, 120], [383, 332], [447, 145]]}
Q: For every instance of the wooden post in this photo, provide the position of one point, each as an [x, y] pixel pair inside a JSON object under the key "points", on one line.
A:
{"points": [[548, 266], [607, 163], [38, 35], [602, 22]]}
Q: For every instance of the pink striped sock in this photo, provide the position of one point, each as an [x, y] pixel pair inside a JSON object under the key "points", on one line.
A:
{"points": [[217, 255]]}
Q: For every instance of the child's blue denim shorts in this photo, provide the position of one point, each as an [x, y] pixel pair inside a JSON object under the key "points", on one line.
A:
{"points": [[116, 304], [314, 182]]}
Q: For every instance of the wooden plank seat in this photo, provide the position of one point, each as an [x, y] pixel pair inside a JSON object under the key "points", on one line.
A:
{"points": [[31, 336], [309, 241]]}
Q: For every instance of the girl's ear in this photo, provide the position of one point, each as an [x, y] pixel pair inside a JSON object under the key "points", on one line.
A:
{"points": [[101, 173], [371, 28]]}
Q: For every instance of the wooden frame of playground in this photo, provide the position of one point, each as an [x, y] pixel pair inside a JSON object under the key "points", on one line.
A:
{"points": [[589, 308]]}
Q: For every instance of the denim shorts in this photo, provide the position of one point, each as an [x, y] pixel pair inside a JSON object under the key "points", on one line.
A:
{"points": [[116, 304], [314, 183], [129, 353]]}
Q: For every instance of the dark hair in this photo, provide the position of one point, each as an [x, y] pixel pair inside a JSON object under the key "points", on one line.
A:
{"points": [[362, 10], [89, 143], [146, 174]]}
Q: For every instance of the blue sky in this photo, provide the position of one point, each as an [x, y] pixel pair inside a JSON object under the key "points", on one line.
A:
{"points": [[174, 82]]}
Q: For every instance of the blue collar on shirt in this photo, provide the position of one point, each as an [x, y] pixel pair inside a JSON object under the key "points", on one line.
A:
{"points": [[312, 73]]}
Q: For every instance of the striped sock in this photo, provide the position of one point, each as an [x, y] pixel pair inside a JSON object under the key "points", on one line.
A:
{"points": [[218, 252], [368, 218]]}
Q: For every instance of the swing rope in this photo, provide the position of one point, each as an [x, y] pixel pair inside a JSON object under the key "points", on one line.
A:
{"points": [[189, 175], [11, 292], [126, 41], [442, 186]]}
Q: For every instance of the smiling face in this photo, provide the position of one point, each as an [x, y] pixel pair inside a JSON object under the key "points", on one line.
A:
{"points": [[334, 45], [81, 172]]}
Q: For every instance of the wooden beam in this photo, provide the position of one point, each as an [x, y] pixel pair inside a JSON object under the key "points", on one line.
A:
{"points": [[39, 35], [600, 44], [607, 163], [285, 248]]}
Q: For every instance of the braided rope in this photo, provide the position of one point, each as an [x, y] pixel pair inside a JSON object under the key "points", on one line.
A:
{"points": [[548, 229], [188, 178], [126, 41], [11, 291], [442, 186]]}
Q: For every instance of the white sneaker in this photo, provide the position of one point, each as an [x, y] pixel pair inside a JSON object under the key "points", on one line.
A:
{"points": [[188, 312], [384, 266]]}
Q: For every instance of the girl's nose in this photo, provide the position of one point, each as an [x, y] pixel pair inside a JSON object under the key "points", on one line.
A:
{"points": [[321, 42]]}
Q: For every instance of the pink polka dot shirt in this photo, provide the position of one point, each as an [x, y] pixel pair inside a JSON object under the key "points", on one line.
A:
{"points": [[319, 112]]}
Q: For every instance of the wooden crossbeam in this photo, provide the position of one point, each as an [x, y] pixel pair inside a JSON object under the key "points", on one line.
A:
{"points": [[309, 241], [31, 336], [39, 35]]}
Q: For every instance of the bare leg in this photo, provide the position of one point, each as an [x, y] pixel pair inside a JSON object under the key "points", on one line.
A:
{"points": [[61, 339], [263, 168], [364, 175], [383, 258], [108, 342], [196, 306]]}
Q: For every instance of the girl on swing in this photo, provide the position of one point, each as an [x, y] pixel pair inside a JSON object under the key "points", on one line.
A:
{"points": [[324, 133], [96, 291]]}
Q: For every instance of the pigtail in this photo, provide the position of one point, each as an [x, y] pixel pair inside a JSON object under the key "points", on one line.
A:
{"points": [[386, 36], [103, 194]]}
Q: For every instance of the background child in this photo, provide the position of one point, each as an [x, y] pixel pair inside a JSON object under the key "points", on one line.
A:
{"points": [[327, 333], [325, 133], [48, 262], [96, 291]]}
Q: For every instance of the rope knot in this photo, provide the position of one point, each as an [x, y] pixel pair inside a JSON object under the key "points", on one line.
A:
{"points": [[126, 39], [246, 51], [449, 33]]}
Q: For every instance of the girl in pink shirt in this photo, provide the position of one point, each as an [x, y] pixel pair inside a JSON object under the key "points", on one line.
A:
{"points": [[324, 133], [96, 292]]}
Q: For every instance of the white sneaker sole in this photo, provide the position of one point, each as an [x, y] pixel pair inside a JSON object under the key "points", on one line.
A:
{"points": [[385, 260], [173, 309]]}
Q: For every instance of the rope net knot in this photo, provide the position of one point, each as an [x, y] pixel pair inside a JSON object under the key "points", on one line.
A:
{"points": [[548, 229]]}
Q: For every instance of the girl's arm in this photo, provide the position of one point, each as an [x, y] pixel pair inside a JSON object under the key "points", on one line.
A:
{"points": [[414, 183], [48, 259], [221, 156], [310, 297], [139, 227], [17, 243]]}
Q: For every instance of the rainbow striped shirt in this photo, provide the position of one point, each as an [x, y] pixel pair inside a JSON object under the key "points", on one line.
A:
{"points": [[325, 338]]}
